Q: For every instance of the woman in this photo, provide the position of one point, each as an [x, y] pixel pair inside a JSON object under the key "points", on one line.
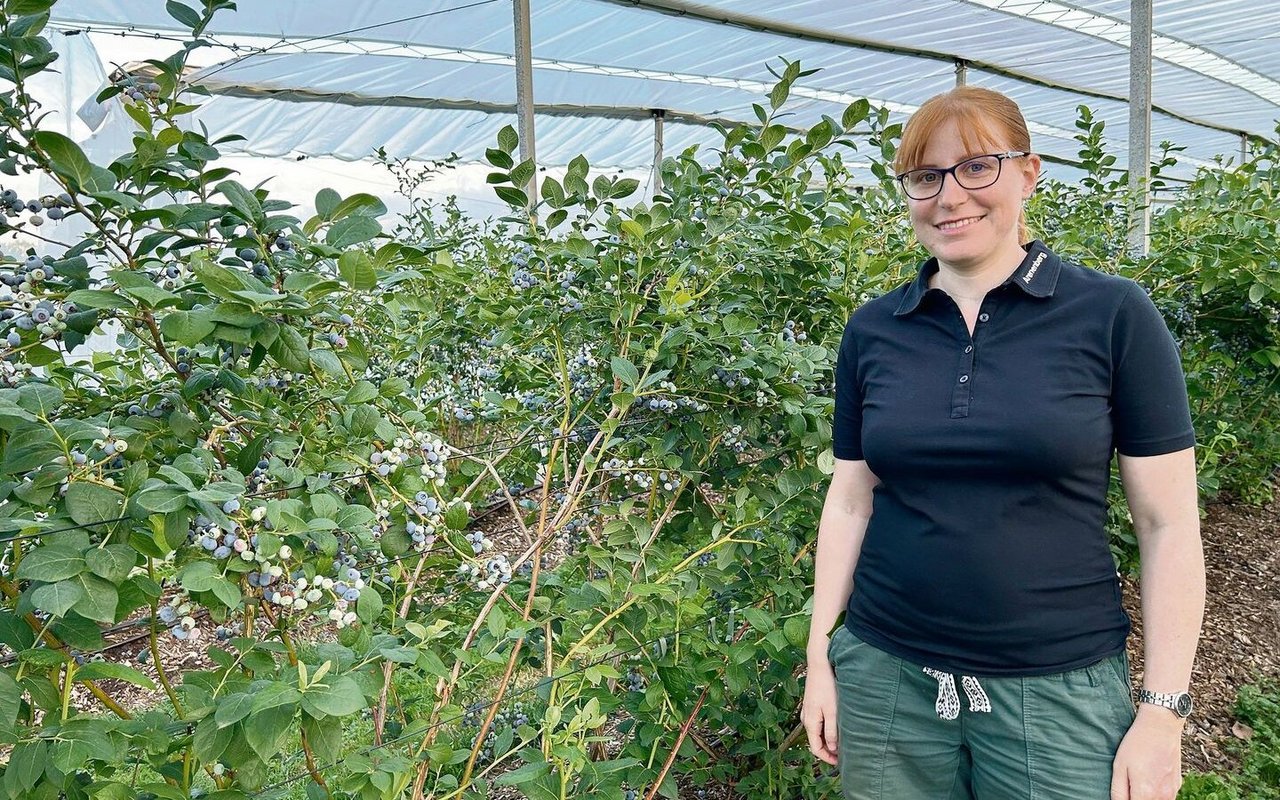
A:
{"points": [[982, 648]]}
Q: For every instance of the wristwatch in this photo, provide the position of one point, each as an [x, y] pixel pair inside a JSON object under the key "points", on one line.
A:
{"points": [[1179, 703]]}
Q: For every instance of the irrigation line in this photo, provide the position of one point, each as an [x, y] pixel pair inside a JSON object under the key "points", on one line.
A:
{"points": [[509, 696]]}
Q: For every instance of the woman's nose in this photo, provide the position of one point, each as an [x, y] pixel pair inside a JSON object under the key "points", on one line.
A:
{"points": [[952, 192]]}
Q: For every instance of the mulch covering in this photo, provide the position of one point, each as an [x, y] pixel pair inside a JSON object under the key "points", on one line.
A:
{"points": [[1240, 641]]}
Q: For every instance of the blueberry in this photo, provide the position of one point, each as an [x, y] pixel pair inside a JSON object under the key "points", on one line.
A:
{"points": [[248, 254], [231, 506], [14, 339], [56, 213]]}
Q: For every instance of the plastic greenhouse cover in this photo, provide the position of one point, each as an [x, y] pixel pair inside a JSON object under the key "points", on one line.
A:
{"points": [[414, 79]]}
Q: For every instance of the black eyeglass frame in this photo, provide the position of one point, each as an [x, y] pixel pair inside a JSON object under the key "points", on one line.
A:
{"points": [[951, 170]]}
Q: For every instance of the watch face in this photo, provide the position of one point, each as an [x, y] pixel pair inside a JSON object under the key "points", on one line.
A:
{"points": [[1183, 703]]}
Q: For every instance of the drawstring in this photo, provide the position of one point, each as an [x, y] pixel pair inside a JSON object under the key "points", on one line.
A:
{"points": [[948, 704]]}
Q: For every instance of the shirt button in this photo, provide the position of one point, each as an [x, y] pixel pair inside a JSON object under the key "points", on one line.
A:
{"points": [[968, 349], [964, 378], [983, 317]]}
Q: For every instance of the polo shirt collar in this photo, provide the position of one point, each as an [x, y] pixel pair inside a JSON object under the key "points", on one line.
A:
{"points": [[1037, 275]]}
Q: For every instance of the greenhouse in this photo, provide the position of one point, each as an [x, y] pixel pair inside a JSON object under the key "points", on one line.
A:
{"points": [[476, 399]]}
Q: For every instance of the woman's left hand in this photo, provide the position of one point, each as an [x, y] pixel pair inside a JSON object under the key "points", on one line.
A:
{"points": [[1148, 765]]}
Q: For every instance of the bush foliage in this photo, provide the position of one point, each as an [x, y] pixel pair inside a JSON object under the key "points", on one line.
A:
{"points": [[447, 507]]}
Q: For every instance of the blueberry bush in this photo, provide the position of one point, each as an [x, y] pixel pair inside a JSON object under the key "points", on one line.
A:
{"points": [[445, 509]]}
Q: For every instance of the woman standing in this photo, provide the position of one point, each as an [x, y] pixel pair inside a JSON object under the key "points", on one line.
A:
{"points": [[982, 649]]}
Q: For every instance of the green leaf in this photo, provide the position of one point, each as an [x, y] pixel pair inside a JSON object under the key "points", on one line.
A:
{"points": [[89, 503], [275, 694], [100, 670], [69, 161], [57, 598], [1257, 292], [227, 592], [233, 709], [161, 499], [50, 563], [625, 371], [78, 741], [352, 230], [361, 392], [188, 17], [100, 598], [356, 269], [112, 562], [624, 188], [211, 740], [10, 702], [338, 696], [508, 139], [326, 201], [266, 731], [97, 298], [26, 764], [521, 774], [513, 197], [456, 517], [325, 739], [242, 200], [187, 327], [198, 576], [290, 350], [369, 605]]}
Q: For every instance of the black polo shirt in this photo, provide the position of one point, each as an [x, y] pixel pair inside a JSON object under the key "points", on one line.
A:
{"points": [[985, 553]]}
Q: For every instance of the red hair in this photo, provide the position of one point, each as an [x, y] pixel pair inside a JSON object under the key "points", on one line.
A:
{"points": [[987, 120]]}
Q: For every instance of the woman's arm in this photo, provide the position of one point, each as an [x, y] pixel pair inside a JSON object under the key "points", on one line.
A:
{"points": [[1161, 491], [844, 522]]}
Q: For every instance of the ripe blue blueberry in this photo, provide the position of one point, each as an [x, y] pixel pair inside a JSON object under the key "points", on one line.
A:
{"points": [[231, 506], [248, 254]]}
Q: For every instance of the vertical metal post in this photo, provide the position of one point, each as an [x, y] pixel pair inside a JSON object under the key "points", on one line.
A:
{"points": [[1139, 126], [962, 72], [1244, 147], [524, 96], [658, 115]]}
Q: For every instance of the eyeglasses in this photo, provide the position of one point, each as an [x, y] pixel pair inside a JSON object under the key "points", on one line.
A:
{"points": [[978, 172]]}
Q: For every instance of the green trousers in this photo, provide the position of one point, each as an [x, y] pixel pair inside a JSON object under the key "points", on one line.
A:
{"points": [[1044, 738]]}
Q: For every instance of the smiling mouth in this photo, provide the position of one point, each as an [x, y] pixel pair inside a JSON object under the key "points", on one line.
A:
{"points": [[957, 224]]}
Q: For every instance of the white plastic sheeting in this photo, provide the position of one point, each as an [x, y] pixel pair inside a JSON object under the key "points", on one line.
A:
{"points": [[428, 78]]}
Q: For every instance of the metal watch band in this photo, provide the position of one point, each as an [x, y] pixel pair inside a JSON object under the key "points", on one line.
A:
{"points": [[1177, 702]]}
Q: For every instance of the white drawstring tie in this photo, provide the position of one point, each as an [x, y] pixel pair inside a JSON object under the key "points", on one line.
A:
{"points": [[948, 703]]}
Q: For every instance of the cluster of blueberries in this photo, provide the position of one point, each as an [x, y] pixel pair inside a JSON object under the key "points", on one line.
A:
{"points": [[733, 438], [793, 332], [136, 89], [732, 377], [52, 206], [25, 310], [634, 680], [504, 719]]}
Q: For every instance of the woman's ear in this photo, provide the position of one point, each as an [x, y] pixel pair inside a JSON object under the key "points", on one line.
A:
{"points": [[1030, 174]]}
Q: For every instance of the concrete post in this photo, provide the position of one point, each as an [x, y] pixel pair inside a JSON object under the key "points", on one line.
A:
{"points": [[524, 96], [1139, 126], [658, 116]]}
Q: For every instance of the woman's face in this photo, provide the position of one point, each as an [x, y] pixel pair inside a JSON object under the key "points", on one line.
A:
{"points": [[972, 229]]}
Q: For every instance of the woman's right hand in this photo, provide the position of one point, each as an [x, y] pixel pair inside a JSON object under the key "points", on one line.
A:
{"points": [[818, 710]]}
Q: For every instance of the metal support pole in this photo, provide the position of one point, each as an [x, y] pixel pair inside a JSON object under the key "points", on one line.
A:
{"points": [[658, 116], [962, 72], [1139, 126], [524, 96], [1244, 147]]}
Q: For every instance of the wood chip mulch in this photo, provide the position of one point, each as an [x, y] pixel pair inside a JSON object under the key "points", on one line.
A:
{"points": [[1240, 640]]}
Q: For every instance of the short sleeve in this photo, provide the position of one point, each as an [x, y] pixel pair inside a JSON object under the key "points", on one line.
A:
{"points": [[846, 430], [1149, 409]]}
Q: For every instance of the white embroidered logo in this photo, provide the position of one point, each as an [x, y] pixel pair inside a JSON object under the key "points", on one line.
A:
{"points": [[1035, 265]]}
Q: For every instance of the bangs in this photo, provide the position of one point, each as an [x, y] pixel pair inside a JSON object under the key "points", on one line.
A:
{"points": [[986, 121]]}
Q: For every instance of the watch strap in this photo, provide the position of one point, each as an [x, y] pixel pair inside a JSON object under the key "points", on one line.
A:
{"points": [[1177, 702]]}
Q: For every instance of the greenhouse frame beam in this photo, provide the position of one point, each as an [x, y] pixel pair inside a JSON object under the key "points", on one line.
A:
{"points": [[1140, 20], [715, 14], [216, 87]]}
